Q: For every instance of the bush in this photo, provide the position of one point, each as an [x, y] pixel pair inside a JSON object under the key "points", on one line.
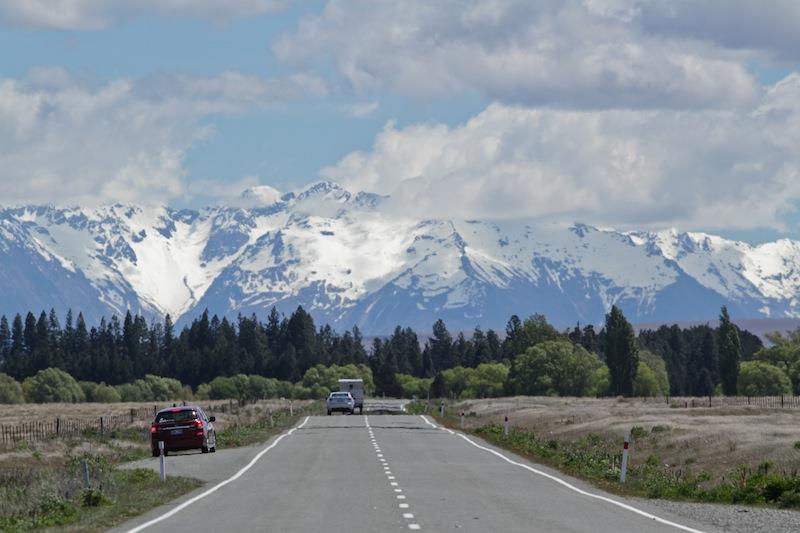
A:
{"points": [[105, 394], [555, 368], [412, 386], [757, 378], [52, 385], [10, 390]]}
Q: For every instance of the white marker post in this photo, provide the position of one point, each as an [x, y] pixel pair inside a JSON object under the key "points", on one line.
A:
{"points": [[162, 462], [462, 419], [623, 470], [291, 409], [441, 410], [505, 427]]}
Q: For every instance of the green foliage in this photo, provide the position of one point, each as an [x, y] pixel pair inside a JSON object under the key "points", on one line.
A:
{"points": [[757, 378], [10, 390], [52, 385], [105, 394], [730, 353], [93, 498], [621, 352], [151, 389], [659, 369], [487, 380], [555, 368], [325, 379], [646, 383], [412, 386]]}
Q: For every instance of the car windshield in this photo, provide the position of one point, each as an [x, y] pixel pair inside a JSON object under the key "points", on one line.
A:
{"points": [[175, 416]]}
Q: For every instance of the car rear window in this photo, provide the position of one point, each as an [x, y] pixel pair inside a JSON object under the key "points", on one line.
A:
{"points": [[340, 394], [175, 416]]}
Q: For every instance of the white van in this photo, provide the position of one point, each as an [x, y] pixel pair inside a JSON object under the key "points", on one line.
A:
{"points": [[356, 389]]}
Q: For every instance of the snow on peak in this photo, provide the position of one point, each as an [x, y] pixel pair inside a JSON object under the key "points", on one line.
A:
{"points": [[259, 196]]}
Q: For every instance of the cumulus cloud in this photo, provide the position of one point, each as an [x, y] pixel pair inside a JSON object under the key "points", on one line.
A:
{"points": [[99, 14], [627, 168], [584, 54], [66, 140]]}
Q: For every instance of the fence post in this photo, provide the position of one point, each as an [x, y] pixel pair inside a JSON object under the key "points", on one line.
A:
{"points": [[781, 401], [85, 474], [58, 427], [101, 425]]}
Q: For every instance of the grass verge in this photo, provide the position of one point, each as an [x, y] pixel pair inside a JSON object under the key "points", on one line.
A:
{"points": [[597, 459]]}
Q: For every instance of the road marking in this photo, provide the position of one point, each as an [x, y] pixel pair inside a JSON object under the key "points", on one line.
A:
{"points": [[413, 526], [403, 506], [408, 515], [218, 486], [569, 485], [401, 496]]}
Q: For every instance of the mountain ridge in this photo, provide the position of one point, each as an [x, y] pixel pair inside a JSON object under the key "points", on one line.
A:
{"points": [[348, 263]]}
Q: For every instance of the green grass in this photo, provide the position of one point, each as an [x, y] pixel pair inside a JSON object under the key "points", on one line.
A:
{"points": [[597, 459]]}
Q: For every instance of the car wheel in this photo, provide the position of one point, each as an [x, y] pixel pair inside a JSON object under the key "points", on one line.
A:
{"points": [[329, 413], [204, 449]]}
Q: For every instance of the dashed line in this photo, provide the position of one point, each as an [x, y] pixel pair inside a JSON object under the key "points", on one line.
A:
{"points": [[389, 476]]}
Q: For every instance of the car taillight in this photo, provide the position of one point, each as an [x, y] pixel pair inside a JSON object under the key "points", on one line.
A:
{"points": [[153, 428], [199, 424]]}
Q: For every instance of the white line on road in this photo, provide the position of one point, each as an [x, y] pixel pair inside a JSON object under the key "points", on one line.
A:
{"points": [[568, 485], [218, 486]]}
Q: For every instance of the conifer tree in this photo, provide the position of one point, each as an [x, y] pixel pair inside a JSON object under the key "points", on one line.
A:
{"points": [[620, 351], [730, 352]]}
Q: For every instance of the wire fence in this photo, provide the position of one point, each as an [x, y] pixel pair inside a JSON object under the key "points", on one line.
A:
{"points": [[67, 427]]}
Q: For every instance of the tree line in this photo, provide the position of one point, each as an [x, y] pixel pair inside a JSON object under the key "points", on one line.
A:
{"points": [[530, 357]]}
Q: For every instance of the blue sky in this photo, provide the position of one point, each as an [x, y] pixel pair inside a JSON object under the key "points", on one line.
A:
{"points": [[612, 112]]}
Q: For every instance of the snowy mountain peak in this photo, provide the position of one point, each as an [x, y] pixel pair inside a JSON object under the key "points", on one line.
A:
{"points": [[336, 253]]}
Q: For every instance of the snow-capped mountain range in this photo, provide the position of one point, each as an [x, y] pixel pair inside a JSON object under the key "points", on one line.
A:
{"points": [[350, 263]]}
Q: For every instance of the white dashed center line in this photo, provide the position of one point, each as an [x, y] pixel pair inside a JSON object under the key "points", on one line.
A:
{"points": [[390, 477]]}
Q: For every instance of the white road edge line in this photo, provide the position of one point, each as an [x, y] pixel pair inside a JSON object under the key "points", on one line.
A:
{"points": [[569, 485], [219, 485]]}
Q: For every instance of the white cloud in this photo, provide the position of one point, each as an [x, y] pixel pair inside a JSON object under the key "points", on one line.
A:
{"points": [[65, 140], [99, 14], [360, 109], [634, 168], [584, 54]]}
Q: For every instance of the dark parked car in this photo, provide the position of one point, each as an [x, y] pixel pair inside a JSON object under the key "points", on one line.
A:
{"points": [[183, 428]]}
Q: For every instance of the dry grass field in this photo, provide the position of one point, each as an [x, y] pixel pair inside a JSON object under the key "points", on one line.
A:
{"points": [[716, 439]]}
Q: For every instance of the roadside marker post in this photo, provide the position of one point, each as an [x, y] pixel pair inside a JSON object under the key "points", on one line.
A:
{"points": [[85, 474], [462, 419], [291, 408], [623, 470], [441, 409], [162, 463], [505, 427]]}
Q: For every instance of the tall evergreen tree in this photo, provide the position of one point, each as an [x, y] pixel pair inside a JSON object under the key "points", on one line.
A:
{"points": [[621, 353], [730, 352], [441, 347]]}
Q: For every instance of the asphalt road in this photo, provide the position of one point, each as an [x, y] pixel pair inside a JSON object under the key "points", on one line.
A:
{"points": [[376, 473]]}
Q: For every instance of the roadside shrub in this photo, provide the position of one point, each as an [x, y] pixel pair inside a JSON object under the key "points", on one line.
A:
{"points": [[105, 394], [52, 385], [10, 390], [757, 378]]}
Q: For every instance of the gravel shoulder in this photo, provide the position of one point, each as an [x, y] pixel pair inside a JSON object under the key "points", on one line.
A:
{"points": [[733, 518]]}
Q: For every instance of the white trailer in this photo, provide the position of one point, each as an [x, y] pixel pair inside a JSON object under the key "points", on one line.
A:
{"points": [[356, 389]]}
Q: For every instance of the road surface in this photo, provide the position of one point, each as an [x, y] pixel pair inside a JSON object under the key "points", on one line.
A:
{"points": [[384, 473]]}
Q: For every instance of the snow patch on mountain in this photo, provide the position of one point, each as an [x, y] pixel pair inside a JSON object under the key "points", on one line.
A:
{"points": [[340, 256]]}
